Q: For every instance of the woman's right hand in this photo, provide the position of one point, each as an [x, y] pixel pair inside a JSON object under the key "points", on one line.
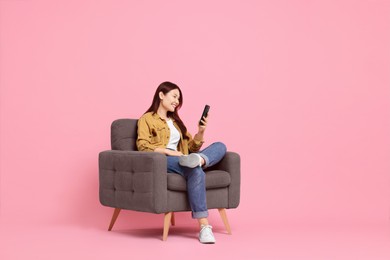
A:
{"points": [[168, 152], [173, 153]]}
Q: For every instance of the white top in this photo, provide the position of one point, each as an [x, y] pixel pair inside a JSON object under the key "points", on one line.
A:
{"points": [[174, 136]]}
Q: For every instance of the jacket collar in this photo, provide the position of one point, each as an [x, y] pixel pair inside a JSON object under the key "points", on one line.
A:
{"points": [[157, 116]]}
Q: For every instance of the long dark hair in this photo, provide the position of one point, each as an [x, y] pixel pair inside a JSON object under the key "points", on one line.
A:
{"points": [[165, 87]]}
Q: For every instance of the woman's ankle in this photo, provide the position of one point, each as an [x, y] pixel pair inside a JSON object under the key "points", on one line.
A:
{"points": [[203, 222]]}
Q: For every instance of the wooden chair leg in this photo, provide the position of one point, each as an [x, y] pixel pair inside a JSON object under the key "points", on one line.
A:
{"points": [[167, 221], [173, 219], [114, 217], [222, 212]]}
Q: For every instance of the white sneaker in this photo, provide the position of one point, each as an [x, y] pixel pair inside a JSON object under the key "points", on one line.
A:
{"points": [[191, 161], [206, 235]]}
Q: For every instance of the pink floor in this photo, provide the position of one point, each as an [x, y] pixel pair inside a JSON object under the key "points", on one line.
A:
{"points": [[143, 241]]}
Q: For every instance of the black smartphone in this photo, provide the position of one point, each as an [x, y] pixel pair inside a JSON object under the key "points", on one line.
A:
{"points": [[204, 114]]}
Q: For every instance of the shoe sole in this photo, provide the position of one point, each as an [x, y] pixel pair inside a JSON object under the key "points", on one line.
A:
{"points": [[207, 243]]}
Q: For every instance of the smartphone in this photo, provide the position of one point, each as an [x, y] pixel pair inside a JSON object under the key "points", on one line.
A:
{"points": [[204, 114]]}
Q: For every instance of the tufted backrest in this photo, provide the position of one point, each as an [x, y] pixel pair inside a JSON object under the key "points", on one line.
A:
{"points": [[124, 134]]}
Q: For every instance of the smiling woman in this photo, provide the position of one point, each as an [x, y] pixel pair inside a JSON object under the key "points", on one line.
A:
{"points": [[161, 130]]}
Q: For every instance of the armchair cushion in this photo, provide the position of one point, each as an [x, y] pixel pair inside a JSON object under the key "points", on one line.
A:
{"points": [[214, 179]]}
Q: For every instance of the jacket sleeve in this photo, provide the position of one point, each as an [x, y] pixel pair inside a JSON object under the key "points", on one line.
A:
{"points": [[144, 136], [193, 145]]}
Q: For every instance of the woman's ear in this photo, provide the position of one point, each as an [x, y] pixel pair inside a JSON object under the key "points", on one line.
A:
{"points": [[161, 95]]}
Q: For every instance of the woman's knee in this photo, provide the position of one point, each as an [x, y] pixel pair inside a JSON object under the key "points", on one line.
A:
{"points": [[220, 146]]}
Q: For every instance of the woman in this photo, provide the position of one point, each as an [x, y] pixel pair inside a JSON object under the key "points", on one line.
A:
{"points": [[161, 130]]}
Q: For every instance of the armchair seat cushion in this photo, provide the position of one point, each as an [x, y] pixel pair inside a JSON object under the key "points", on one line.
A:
{"points": [[214, 180]]}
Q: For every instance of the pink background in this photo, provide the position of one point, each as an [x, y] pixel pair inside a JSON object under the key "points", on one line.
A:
{"points": [[299, 88]]}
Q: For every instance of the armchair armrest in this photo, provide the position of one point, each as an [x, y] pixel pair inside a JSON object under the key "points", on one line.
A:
{"points": [[231, 163], [133, 180]]}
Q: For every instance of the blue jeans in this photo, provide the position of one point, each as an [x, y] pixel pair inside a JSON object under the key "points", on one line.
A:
{"points": [[195, 177]]}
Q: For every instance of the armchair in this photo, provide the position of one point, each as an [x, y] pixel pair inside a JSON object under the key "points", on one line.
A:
{"points": [[134, 180]]}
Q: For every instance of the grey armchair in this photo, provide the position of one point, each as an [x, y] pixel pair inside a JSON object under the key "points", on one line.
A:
{"points": [[133, 180]]}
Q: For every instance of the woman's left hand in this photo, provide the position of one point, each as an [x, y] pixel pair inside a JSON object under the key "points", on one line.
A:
{"points": [[202, 128]]}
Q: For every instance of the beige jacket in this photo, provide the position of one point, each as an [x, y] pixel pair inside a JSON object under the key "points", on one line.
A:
{"points": [[153, 132]]}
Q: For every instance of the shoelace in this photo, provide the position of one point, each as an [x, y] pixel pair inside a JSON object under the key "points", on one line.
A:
{"points": [[205, 226]]}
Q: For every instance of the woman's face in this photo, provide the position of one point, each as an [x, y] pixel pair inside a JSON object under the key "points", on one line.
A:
{"points": [[170, 100]]}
